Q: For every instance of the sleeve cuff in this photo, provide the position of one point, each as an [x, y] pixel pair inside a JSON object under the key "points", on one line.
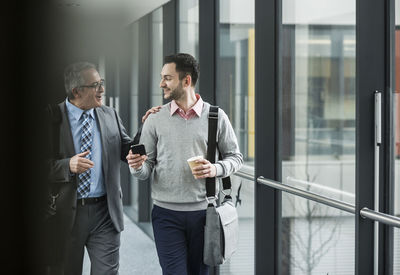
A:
{"points": [[135, 171], [220, 170], [68, 175]]}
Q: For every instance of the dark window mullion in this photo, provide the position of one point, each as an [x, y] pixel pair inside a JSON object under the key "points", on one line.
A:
{"points": [[170, 30], [144, 86], [267, 119], [208, 20], [388, 199], [372, 74]]}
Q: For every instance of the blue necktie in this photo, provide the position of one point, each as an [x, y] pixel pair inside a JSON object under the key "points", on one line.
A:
{"points": [[86, 145]]}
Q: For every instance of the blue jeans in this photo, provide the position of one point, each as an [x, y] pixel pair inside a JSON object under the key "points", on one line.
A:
{"points": [[179, 238]]}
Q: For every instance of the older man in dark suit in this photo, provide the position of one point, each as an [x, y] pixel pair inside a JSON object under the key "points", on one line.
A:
{"points": [[92, 142]]}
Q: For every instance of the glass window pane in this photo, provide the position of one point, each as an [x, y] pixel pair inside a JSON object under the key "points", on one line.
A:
{"points": [[134, 99], [396, 120], [242, 261], [396, 254], [189, 27], [235, 70], [316, 239], [235, 95], [134, 93], [318, 95], [317, 91], [156, 57]]}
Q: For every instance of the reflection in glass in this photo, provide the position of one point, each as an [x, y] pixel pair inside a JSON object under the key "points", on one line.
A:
{"points": [[396, 248], [155, 91], [317, 94], [318, 102], [134, 99], [235, 69], [189, 27], [318, 98], [235, 95], [316, 239], [242, 261]]}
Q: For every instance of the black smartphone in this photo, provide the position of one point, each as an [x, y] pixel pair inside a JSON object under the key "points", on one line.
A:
{"points": [[138, 149]]}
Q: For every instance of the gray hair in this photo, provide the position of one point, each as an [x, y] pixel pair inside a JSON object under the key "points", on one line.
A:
{"points": [[73, 76]]}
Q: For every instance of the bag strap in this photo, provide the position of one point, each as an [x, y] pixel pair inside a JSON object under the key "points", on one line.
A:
{"points": [[212, 145]]}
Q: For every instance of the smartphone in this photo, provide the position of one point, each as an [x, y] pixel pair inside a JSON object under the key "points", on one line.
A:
{"points": [[138, 149]]}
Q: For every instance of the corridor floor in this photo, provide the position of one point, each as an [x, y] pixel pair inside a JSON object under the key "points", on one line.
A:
{"points": [[137, 254]]}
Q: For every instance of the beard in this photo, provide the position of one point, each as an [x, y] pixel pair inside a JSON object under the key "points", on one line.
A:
{"points": [[177, 93]]}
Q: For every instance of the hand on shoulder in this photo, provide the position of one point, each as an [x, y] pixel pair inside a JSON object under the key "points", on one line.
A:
{"points": [[153, 110]]}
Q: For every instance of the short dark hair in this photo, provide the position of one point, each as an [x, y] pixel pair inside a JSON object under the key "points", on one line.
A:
{"points": [[185, 65]]}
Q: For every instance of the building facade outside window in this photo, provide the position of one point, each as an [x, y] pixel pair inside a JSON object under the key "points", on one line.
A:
{"points": [[235, 70], [235, 95], [317, 92]]}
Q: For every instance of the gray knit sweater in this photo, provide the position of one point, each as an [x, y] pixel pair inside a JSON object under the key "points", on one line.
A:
{"points": [[170, 141]]}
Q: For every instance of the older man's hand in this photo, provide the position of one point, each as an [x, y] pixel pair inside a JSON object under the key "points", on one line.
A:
{"points": [[79, 163], [153, 110]]}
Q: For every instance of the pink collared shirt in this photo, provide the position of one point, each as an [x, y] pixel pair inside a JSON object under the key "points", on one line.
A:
{"points": [[195, 110]]}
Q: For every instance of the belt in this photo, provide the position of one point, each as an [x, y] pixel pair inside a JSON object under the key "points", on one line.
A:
{"points": [[84, 201]]}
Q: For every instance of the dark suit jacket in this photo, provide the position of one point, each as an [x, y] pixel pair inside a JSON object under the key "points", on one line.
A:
{"points": [[115, 147]]}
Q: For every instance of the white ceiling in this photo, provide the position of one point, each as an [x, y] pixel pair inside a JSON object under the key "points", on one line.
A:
{"points": [[127, 11]]}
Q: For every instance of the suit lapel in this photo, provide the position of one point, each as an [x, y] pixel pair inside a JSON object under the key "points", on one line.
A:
{"points": [[66, 131], [100, 116]]}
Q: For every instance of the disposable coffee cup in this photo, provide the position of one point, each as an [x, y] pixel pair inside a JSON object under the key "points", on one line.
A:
{"points": [[192, 162]]}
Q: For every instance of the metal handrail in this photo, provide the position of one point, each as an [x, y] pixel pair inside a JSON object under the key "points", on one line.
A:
{"points": [[296, 191], [244, 175], [308, 195], [365, 212], [380, 217], [320, 186]]}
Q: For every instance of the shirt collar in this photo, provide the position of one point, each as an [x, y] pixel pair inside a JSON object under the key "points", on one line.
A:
{"points": [[197, 108], [77, 112]]}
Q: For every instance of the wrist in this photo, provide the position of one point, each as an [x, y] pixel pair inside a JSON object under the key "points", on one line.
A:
{"points": [[213, 170], [218, 170]]}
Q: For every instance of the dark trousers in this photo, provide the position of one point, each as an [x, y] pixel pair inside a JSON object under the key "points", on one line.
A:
{"points": [[94, 229], [179, 238]]}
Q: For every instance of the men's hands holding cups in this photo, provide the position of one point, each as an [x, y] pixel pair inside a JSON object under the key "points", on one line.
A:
{"points": [[135, 160], [202, 168]]}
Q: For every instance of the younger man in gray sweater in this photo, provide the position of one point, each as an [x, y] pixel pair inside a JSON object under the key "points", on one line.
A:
{"points": [[176, 133]]}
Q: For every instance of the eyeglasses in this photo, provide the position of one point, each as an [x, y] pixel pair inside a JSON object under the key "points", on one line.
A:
{"points": [[95, 85]]}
